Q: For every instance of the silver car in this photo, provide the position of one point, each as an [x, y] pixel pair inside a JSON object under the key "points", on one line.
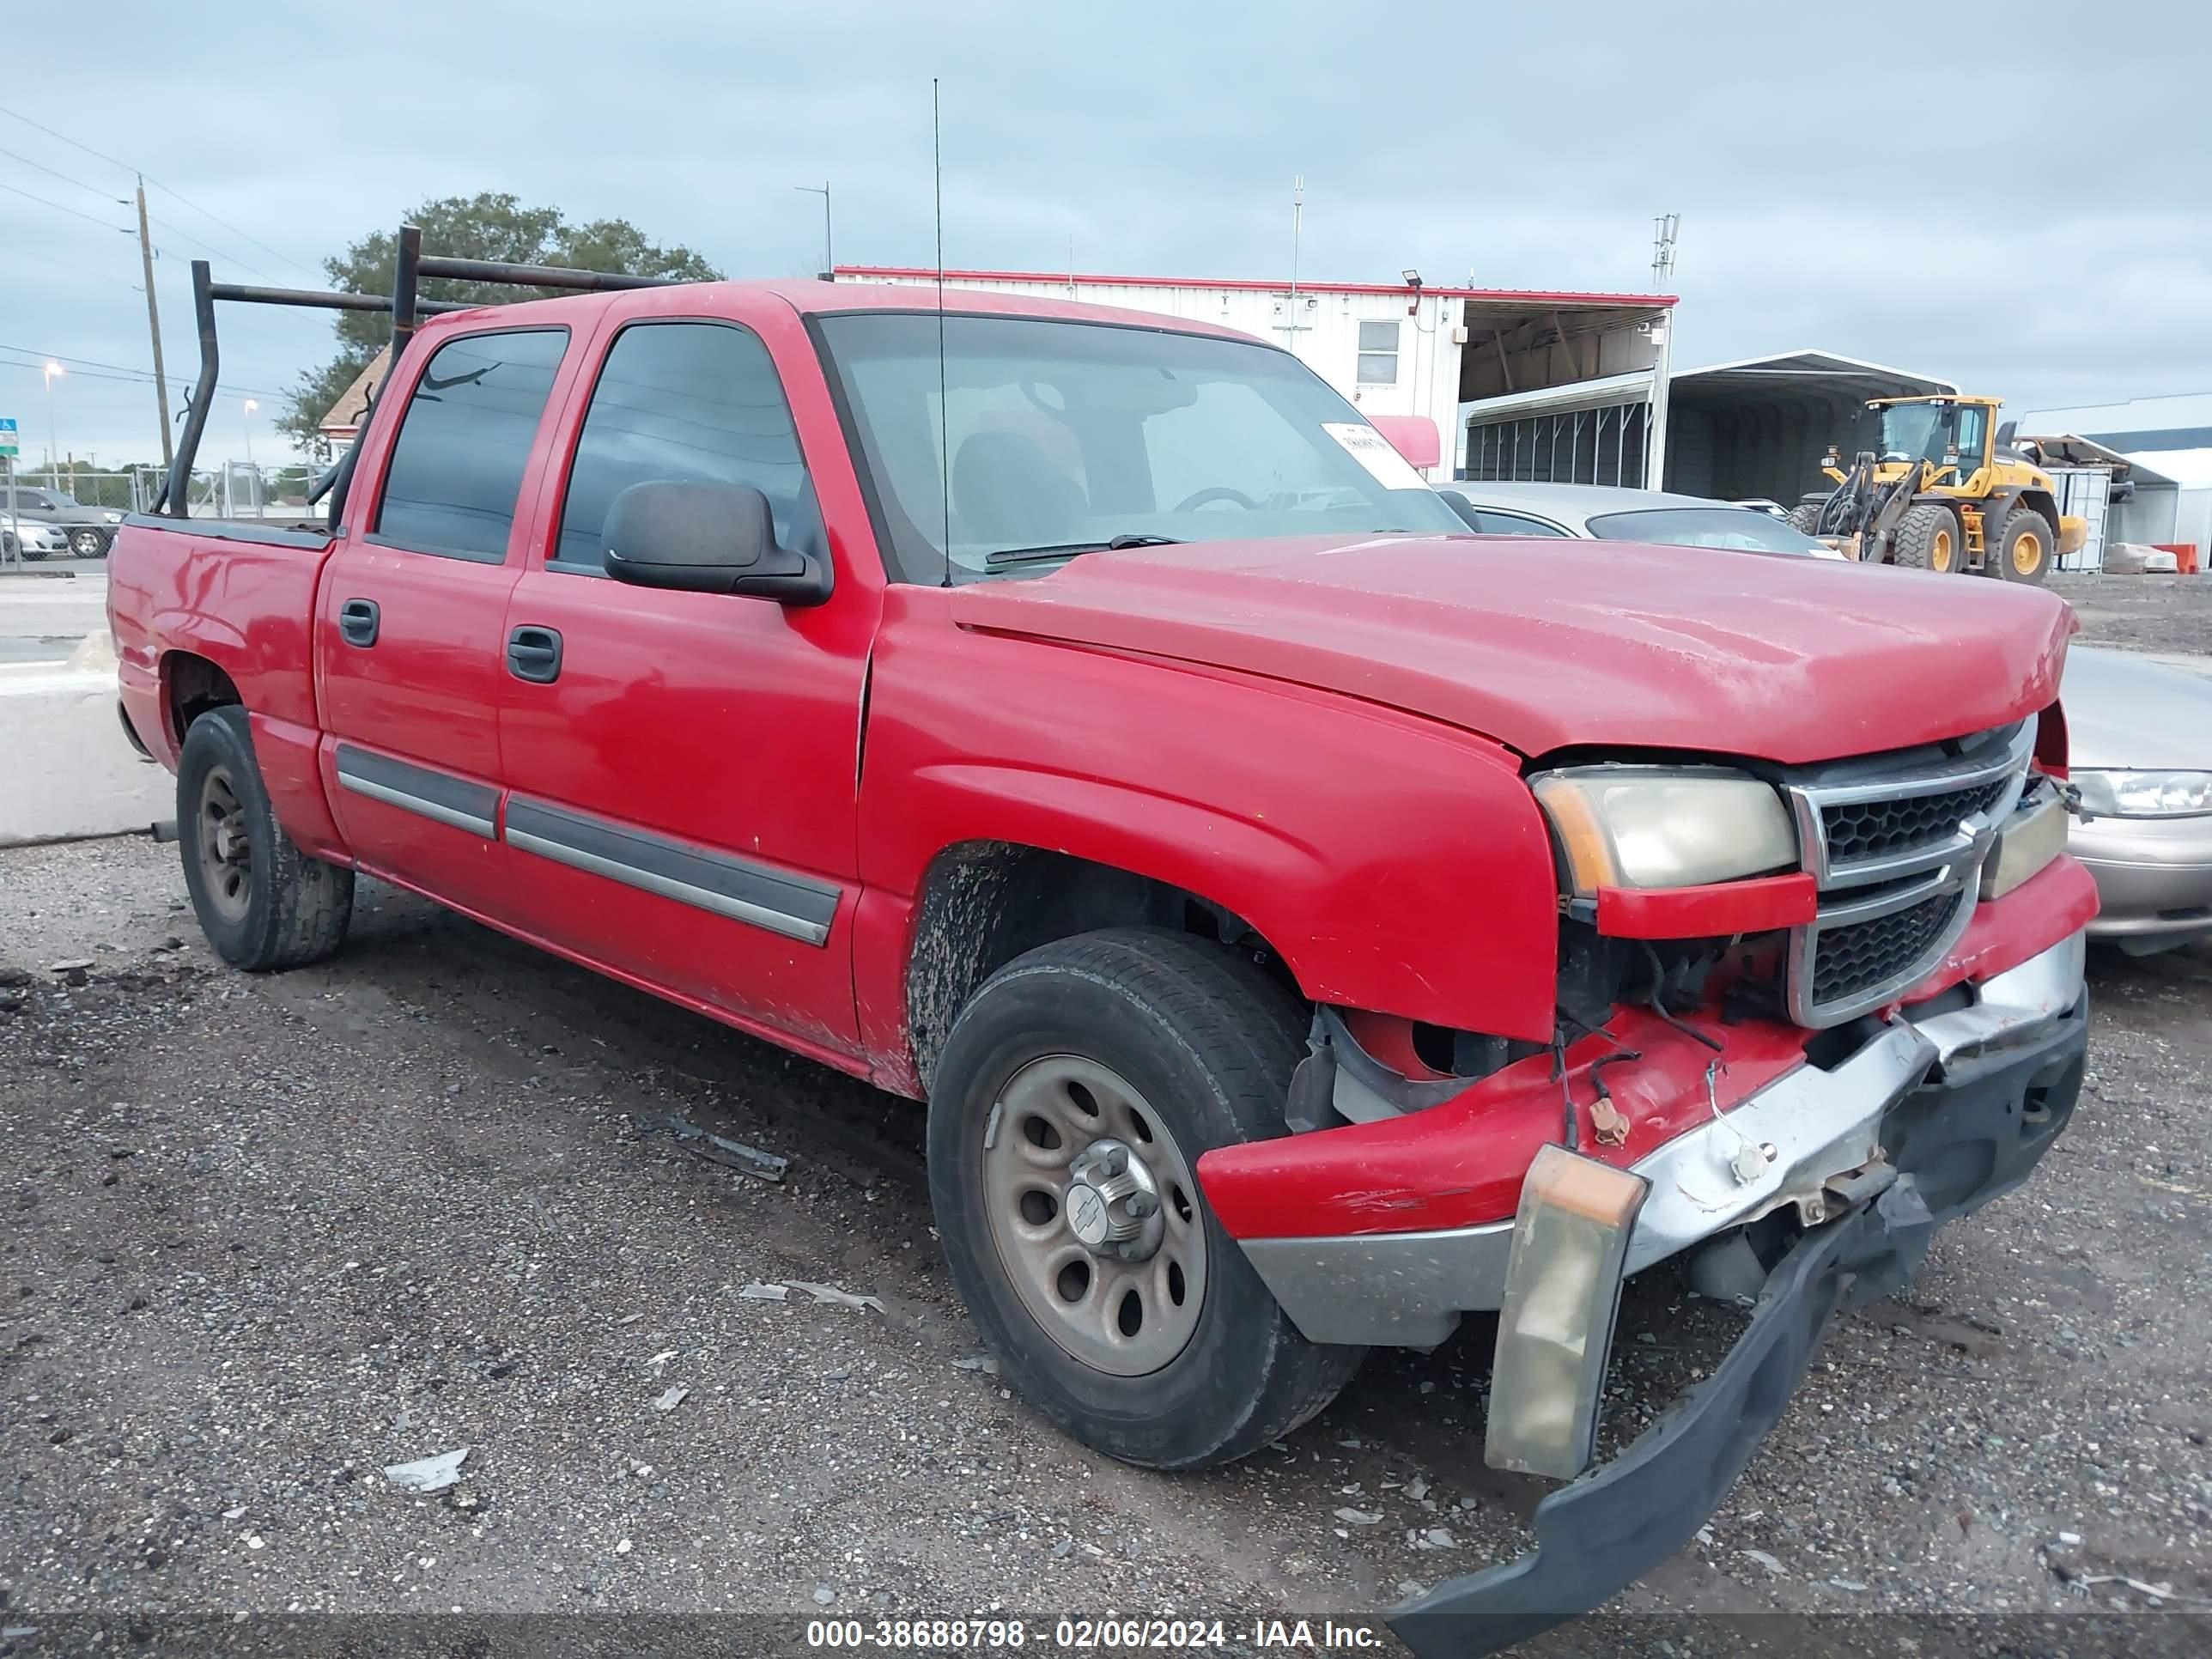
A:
{"points": [[1600, 513], [39, 541], [2139, 731], [2139, 748]]}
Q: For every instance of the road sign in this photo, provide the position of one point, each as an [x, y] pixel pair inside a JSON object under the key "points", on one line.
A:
{"points": [[7, 435]]}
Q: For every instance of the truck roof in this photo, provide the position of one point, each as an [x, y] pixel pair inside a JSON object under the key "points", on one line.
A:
{"points": [[815, 298]]}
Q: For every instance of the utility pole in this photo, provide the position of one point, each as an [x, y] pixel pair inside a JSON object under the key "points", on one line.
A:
{"points": [[154, 324], [828, 251]]}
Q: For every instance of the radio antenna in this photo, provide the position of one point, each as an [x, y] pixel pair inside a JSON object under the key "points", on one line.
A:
{"points": [[944, 410]]}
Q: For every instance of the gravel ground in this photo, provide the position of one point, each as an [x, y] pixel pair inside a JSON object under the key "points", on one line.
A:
{"points": [[2142, 613], [265, 1236]]}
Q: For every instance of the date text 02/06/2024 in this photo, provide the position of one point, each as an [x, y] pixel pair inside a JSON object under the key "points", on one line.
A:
{"points": [[1109, 1634]]}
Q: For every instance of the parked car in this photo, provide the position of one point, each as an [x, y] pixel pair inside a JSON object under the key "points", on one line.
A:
{"points": [[2140, 736], [2139, 731], [38, 542], [1605, 513], [1307, 923], [88, 531]]}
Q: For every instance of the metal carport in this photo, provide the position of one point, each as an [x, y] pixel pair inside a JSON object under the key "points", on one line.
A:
{"points": [[1754, 428]]}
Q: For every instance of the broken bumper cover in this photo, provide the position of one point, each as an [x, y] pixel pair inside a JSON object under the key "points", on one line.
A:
{"points": [[1971, 1132], [1410, 1289]]}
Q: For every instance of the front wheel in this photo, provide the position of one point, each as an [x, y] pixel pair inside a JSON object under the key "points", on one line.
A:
{"points": [[1929, 539], [2023, 548], [87, 544], [261, 903], [1068, 1111]]}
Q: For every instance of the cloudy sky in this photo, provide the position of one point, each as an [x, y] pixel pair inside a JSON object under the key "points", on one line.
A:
{"points": [[2017, 197]]}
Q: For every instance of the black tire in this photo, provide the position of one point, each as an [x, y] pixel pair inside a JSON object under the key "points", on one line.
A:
{"points": [[87, 542], [1805, 518], [1929, 537], [293, 909], [2024, 549], [1210, 1043]]}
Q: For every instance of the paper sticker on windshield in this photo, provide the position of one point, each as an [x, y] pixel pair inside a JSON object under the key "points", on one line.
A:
{"points": [[1372, 451]]}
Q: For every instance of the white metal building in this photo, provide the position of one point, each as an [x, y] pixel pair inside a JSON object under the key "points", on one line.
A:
{"points": [[2162, 494], [1403, 348]]}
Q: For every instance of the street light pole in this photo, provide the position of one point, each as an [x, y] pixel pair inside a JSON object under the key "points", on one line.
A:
{"points": [[828, 253], [53, 443]]}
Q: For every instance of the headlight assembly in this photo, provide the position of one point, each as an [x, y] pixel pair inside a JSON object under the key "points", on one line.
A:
{"points": [[1635, 826], [2143, 795]]}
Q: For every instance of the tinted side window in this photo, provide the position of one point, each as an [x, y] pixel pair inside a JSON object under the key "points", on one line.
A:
{"points": [[696, 403], [457, 467]]}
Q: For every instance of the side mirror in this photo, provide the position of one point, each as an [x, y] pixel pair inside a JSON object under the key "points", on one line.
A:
{"points": [[1460, 504], [707, 538]]}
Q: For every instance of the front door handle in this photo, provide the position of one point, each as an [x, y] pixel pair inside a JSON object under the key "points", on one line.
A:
{"points": [[357, 621], [534, 654]]}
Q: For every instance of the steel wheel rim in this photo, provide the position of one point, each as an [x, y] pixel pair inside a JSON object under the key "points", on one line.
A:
{"points": [[2028, 553], [1125, 1318], [85, 543], [1940, 558], [225, 854]]}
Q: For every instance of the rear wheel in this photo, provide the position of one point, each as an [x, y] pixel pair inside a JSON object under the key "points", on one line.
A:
{"points": [[1928, 537], [1066, 1117], [2023, 548], [261, 903]]}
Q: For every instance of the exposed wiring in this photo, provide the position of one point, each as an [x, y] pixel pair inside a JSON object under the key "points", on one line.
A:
{"points": [[1659, 1004], [1570, 1126]]}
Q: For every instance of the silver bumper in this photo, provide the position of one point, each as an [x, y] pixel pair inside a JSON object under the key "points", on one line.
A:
{"points": [[1408, 1290]]}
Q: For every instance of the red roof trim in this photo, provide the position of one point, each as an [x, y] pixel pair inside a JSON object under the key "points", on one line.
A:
{"points": [[1089, 280]]}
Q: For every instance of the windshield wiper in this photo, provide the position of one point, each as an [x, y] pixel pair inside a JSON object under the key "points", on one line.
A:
{"points": [[1069, 550]]}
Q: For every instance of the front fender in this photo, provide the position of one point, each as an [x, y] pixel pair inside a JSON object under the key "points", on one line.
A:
{"points": [[1394, 863]]}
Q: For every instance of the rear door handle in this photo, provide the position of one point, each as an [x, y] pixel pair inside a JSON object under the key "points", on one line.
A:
{"points": [[534, 654], [357, 621]]}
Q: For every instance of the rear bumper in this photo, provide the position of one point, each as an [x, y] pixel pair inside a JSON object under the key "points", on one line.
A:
{"points": [[1410, 1289], [1989, 1107]]}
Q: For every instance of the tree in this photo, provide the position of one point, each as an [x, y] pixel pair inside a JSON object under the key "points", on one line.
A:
{"points": [[491, 225]]}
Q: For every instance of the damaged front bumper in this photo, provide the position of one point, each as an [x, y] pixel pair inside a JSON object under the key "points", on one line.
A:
{"points": [[1411, 1288], [1991, 1088]]}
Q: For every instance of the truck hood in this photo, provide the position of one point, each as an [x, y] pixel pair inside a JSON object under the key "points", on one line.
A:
{"points": [[1545, 644]]}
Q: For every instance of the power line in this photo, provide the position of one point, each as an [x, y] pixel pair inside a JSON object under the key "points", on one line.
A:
{"points": [[205, 248], [90, 363], [63, 177], [62, 208], [80, 269], [169, 189]]}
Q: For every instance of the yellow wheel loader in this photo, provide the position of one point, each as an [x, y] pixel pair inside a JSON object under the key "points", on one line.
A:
{"points": [[1932, 487]]}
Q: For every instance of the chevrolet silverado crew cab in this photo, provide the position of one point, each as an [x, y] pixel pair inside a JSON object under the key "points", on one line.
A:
{"points": [[1308, 923]]}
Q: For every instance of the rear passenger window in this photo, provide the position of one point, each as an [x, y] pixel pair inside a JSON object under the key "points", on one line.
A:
{"points": [[694, 403], [457, 467]]}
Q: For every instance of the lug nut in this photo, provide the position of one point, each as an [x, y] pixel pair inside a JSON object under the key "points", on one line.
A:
{"points": [[1141, 1205]]}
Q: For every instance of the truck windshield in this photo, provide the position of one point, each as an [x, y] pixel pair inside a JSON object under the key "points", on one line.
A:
{"points": [[1069, 435]]}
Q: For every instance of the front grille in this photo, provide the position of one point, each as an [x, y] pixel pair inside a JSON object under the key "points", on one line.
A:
{"points": [[1852, 960], [1876, 829], [1884, 835]]}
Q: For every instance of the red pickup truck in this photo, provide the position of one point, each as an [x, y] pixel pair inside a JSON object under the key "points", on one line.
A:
{"points": [[1308, 923]]}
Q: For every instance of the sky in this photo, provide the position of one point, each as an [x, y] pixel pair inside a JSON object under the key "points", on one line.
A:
{"points": [[2015, 196]]}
